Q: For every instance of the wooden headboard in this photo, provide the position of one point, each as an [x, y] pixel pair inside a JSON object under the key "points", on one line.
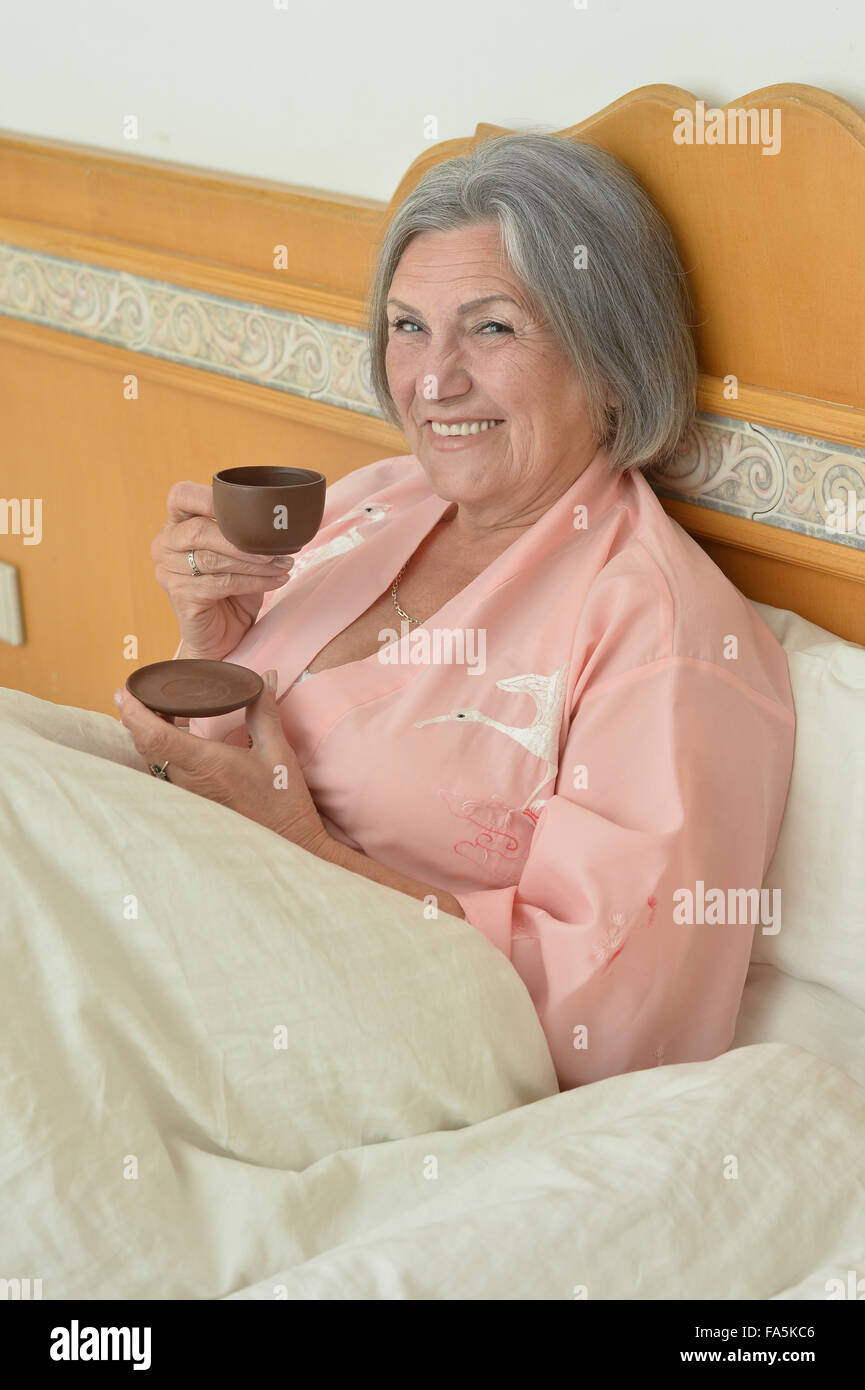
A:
{"points": [[159, 322]]}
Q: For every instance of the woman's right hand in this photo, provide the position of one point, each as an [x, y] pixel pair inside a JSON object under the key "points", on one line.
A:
{"points": [[216, 610]]}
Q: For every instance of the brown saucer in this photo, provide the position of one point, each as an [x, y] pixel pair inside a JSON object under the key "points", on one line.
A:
{"points": [[196, 689]]}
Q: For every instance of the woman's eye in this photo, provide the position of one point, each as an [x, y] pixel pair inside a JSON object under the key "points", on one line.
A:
{"points": [[490, 323]]}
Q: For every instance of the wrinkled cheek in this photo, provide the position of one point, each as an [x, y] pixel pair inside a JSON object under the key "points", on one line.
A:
{"points": [[401, 376]]}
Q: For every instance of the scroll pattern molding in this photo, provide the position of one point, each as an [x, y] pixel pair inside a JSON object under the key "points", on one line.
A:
{"points": [[771, 476]]}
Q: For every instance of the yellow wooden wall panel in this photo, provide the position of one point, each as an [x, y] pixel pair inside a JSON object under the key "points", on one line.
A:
{"points": [[103, 467]]}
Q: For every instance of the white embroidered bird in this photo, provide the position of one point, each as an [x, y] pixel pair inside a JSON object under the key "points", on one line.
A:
{"points": [[371, 511], [541, 737]]}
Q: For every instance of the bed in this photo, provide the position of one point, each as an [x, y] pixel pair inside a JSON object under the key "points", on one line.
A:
{"points": [[233, 1071]]}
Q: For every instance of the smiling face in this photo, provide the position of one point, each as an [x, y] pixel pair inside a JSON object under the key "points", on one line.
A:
{"points": [[452, 359]]}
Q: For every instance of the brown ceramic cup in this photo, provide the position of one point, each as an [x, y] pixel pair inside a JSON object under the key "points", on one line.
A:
{"points": [[268, 510]]}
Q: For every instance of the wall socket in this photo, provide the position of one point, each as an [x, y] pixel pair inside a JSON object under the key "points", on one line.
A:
{"points": [[11, 617]]}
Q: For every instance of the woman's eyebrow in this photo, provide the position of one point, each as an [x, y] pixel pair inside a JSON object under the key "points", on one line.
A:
{"points": [[461, 308]]}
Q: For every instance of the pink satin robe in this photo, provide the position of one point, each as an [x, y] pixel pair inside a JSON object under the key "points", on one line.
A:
{"points": [[631, 735]]}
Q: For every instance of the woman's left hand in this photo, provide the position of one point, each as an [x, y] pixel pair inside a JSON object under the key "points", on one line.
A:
{"points": [[263, 782]]}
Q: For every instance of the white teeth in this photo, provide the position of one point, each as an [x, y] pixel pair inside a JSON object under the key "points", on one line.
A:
{"points": [[466, 427]]}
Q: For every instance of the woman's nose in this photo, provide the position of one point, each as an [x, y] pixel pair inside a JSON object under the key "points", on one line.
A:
{"points": [[443, 376]]}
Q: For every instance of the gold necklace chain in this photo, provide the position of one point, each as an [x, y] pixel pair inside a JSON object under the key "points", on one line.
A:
{"points": [[393, 593]]}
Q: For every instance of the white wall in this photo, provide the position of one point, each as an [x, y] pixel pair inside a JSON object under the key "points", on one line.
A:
{"points": [[332, 94]]}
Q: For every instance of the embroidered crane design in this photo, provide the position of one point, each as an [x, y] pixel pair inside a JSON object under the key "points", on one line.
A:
{"points": [[541, 737], [371, 511]]}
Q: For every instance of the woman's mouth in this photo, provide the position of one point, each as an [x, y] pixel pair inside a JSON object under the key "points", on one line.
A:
{"points": [[458, 433]]}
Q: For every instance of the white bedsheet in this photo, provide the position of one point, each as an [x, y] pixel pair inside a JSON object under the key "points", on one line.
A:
{"points": [[406, 1138]]}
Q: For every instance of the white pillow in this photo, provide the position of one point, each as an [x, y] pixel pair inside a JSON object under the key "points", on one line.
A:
{"points": [[819, 861]]}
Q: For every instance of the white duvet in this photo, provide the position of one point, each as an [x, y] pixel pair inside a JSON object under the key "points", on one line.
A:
{"points": [[230, 1070]]}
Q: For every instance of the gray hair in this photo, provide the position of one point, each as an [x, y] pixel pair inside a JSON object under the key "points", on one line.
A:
{"points": [[624, 321]]}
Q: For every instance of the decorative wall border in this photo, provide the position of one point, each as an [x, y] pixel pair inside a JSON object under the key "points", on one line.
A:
{"points": [[772, 476], [291, 352]]}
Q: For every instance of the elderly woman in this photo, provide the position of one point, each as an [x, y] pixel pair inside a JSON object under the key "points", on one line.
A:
{"points": [[595, 735]]}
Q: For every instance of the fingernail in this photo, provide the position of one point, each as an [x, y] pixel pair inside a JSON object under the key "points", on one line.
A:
{"points": [[284, 562], [270, 679], [118, 698]]}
